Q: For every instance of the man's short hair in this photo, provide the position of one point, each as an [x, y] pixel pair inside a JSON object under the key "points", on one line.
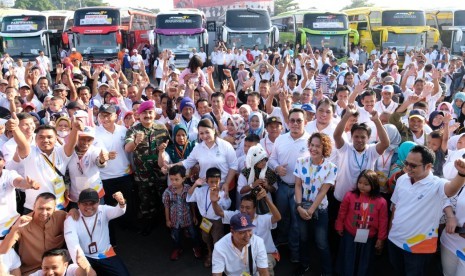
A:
{"points": [[296, 110], [83, 88], [213, 173], [254, 94], [57, 253], [217, 94], [46, 196], [45, 127], [427, 154], [23, 116], [249, 197], [177, 169], [367, 93], [254, 138], [361, 126], [265, 81]]}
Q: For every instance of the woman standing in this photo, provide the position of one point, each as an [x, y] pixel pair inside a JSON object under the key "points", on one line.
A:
{"points": [[314, 176]]}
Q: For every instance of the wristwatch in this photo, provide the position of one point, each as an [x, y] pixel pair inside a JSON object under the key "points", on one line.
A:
{"points": [[297, 205]]}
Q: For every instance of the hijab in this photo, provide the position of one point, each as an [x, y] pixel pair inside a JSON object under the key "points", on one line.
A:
{"points": [[231, 110], [461, 96], [239, 125], [449, 107], [394, 136], [431, 118], [403, 151], [258, 131], [178, 152]]}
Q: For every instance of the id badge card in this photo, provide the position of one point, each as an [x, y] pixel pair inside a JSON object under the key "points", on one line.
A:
{"points": [[206, 225], [93, 248], [361, 235], [245, 274]]}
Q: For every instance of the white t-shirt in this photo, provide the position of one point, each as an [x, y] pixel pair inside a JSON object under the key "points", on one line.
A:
{"points": [[201, 196], [220, 155], [226, 259], [136, 59], [350, 164], [286, 151], [42, 172], [454, 242], [85, 173], [418, 210], [158, 66], [311, 128], [77, 238], [380, 107], [258, 77], [120, 166], [263, 227], [8, 213], [313, 177], [10, 260], [70, 271], [192, 130]]}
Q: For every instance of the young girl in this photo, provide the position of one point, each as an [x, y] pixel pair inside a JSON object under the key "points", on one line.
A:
{"points": [[363, 223]]}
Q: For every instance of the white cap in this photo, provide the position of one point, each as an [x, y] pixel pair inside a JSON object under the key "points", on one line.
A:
{"points": [[388, 88], [73, 49]]}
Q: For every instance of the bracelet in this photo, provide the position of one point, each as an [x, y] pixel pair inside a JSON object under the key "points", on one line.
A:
{"points": [[461, 174]]}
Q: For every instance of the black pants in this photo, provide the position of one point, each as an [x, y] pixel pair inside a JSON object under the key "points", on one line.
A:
{"points": [[221, 75], [112, 266], [125, 185]]}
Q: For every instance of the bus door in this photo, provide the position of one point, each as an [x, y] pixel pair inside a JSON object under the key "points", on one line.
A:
{"points": [[55, 43]]}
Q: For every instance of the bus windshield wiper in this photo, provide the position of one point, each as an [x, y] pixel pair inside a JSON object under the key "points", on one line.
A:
{"points": [[254, 11]]}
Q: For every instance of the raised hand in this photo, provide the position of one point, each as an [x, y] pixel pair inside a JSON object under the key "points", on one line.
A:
{"points": [[139, 137], [374, 116], [351, 109], [22, 221], [118, 196], [103, 156], [460, 166], [227, 73], [31, 184]]}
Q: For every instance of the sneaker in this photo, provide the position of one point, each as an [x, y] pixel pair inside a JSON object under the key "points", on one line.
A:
{"points": [[197, 252], [301, 270], [175, 254]]}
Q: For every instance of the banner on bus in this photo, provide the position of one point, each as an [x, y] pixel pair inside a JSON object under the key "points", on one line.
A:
{"points": [[215, 8]]}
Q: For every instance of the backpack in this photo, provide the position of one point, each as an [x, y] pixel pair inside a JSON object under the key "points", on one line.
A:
{"points": [[144, 54]]}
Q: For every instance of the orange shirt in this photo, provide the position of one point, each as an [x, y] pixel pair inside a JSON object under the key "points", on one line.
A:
{"points": [[34, 239]]}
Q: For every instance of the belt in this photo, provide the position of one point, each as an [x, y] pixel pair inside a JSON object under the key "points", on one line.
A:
{"points": [[288, 184]]}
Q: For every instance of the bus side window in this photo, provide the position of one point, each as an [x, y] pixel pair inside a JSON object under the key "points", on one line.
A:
{"points": [[362, 26]]}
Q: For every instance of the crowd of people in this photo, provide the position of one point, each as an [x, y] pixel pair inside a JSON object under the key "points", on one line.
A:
{"points": [[291, 148]]}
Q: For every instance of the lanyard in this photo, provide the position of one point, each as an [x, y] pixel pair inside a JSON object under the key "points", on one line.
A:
{"points": [[266, 147], [179, 153], [387, 159], [359, 165], [93, 227], [364, 212], [209, 205], [188, 126]]}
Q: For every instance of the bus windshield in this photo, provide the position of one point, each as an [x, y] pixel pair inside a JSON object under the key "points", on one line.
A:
{"points": [[23, 46], [248, 20], [325, 22], [404, 18], [336, 43], [400, 40], [83, 18], [458, 46], [249, 40], [96, 43], [459, 18], [23, 24], [175, 21], [179, 43]]}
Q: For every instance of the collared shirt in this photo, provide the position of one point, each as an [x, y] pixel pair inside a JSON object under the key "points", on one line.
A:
{"points": [[201, 196], [34, 239], [192, 130], [286, 151], [419, 207], [220, 155], [179, 209]]}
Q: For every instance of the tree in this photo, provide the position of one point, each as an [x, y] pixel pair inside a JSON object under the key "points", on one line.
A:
{"points": [[358, 4], [38, 5], [281, 6], [76, 4]]}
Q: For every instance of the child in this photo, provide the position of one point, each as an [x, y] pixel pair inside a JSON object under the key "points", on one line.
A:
{"points": [[363, 223], [179, 214], [437, 141], [211, 225]]}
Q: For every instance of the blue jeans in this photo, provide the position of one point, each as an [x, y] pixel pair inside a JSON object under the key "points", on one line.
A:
{"points": [[355, 258], [288, 227], [315, 229], [112, 266], [177, 235], [407, 263]]}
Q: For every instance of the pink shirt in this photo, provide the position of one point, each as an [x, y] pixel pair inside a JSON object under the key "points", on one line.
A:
{"points": [[363, 212]]}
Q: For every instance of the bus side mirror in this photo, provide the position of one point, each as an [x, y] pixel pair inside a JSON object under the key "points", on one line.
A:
{"points": [[356, 36], [224, 35], [65, 38], [458, 35], [276, 34], [119, 38], [205, 37], [385, 36]]}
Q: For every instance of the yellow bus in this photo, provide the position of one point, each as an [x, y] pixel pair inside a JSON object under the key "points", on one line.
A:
{"points": [[387, 28], [451, 24]]}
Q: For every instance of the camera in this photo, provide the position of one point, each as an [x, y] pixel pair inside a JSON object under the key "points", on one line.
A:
{"points": [[255, 191]]}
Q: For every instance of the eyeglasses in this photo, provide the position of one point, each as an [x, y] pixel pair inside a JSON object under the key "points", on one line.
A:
{"points": [[298, 121], [411, 165]]}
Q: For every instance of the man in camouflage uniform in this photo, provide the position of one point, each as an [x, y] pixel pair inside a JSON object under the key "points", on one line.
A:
{"points": [[143, 140]]}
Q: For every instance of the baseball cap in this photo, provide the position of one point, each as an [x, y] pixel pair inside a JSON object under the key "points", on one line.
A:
{"points": [[88, 195], [3, 81], [88, 131], [241, 222], [29, 105], [343, 65], [60, 86], [73, 49], [240, 63], [418, 113], [273, 119], [73, 105], [388, 79], [126, 50], [146, 106], [134, 51], [23, 84], [128, 114], [103, 84], [107, 108], [308, 107], [388, 88], [77, 80], [80, 114], [350, 59]]}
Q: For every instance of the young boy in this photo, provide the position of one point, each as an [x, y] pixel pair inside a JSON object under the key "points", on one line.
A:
{"points": [[211, 225], [437, 141], [179, 214]]}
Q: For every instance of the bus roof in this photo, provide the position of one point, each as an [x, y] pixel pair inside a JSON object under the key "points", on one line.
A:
{"points": [[303, 11], [129, 9], [367, 10], [183, 11]]}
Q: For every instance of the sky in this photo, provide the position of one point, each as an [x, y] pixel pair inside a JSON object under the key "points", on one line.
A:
{"points": [[327, 5]]}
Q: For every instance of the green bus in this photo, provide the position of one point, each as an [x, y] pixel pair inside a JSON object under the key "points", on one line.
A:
{"points": [[328, 29]]}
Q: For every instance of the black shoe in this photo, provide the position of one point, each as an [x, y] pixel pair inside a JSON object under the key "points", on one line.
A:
{"points": [[301, 270]]}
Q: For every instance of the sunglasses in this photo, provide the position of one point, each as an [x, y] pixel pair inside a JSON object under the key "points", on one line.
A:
{"points": [[298, 121], [411, 165]]}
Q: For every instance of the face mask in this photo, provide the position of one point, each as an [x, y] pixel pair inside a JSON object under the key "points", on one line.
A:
{"points": [[62, 133]]}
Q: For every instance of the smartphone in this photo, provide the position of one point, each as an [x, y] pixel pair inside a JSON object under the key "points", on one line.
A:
{"points": [[460, 230]]}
